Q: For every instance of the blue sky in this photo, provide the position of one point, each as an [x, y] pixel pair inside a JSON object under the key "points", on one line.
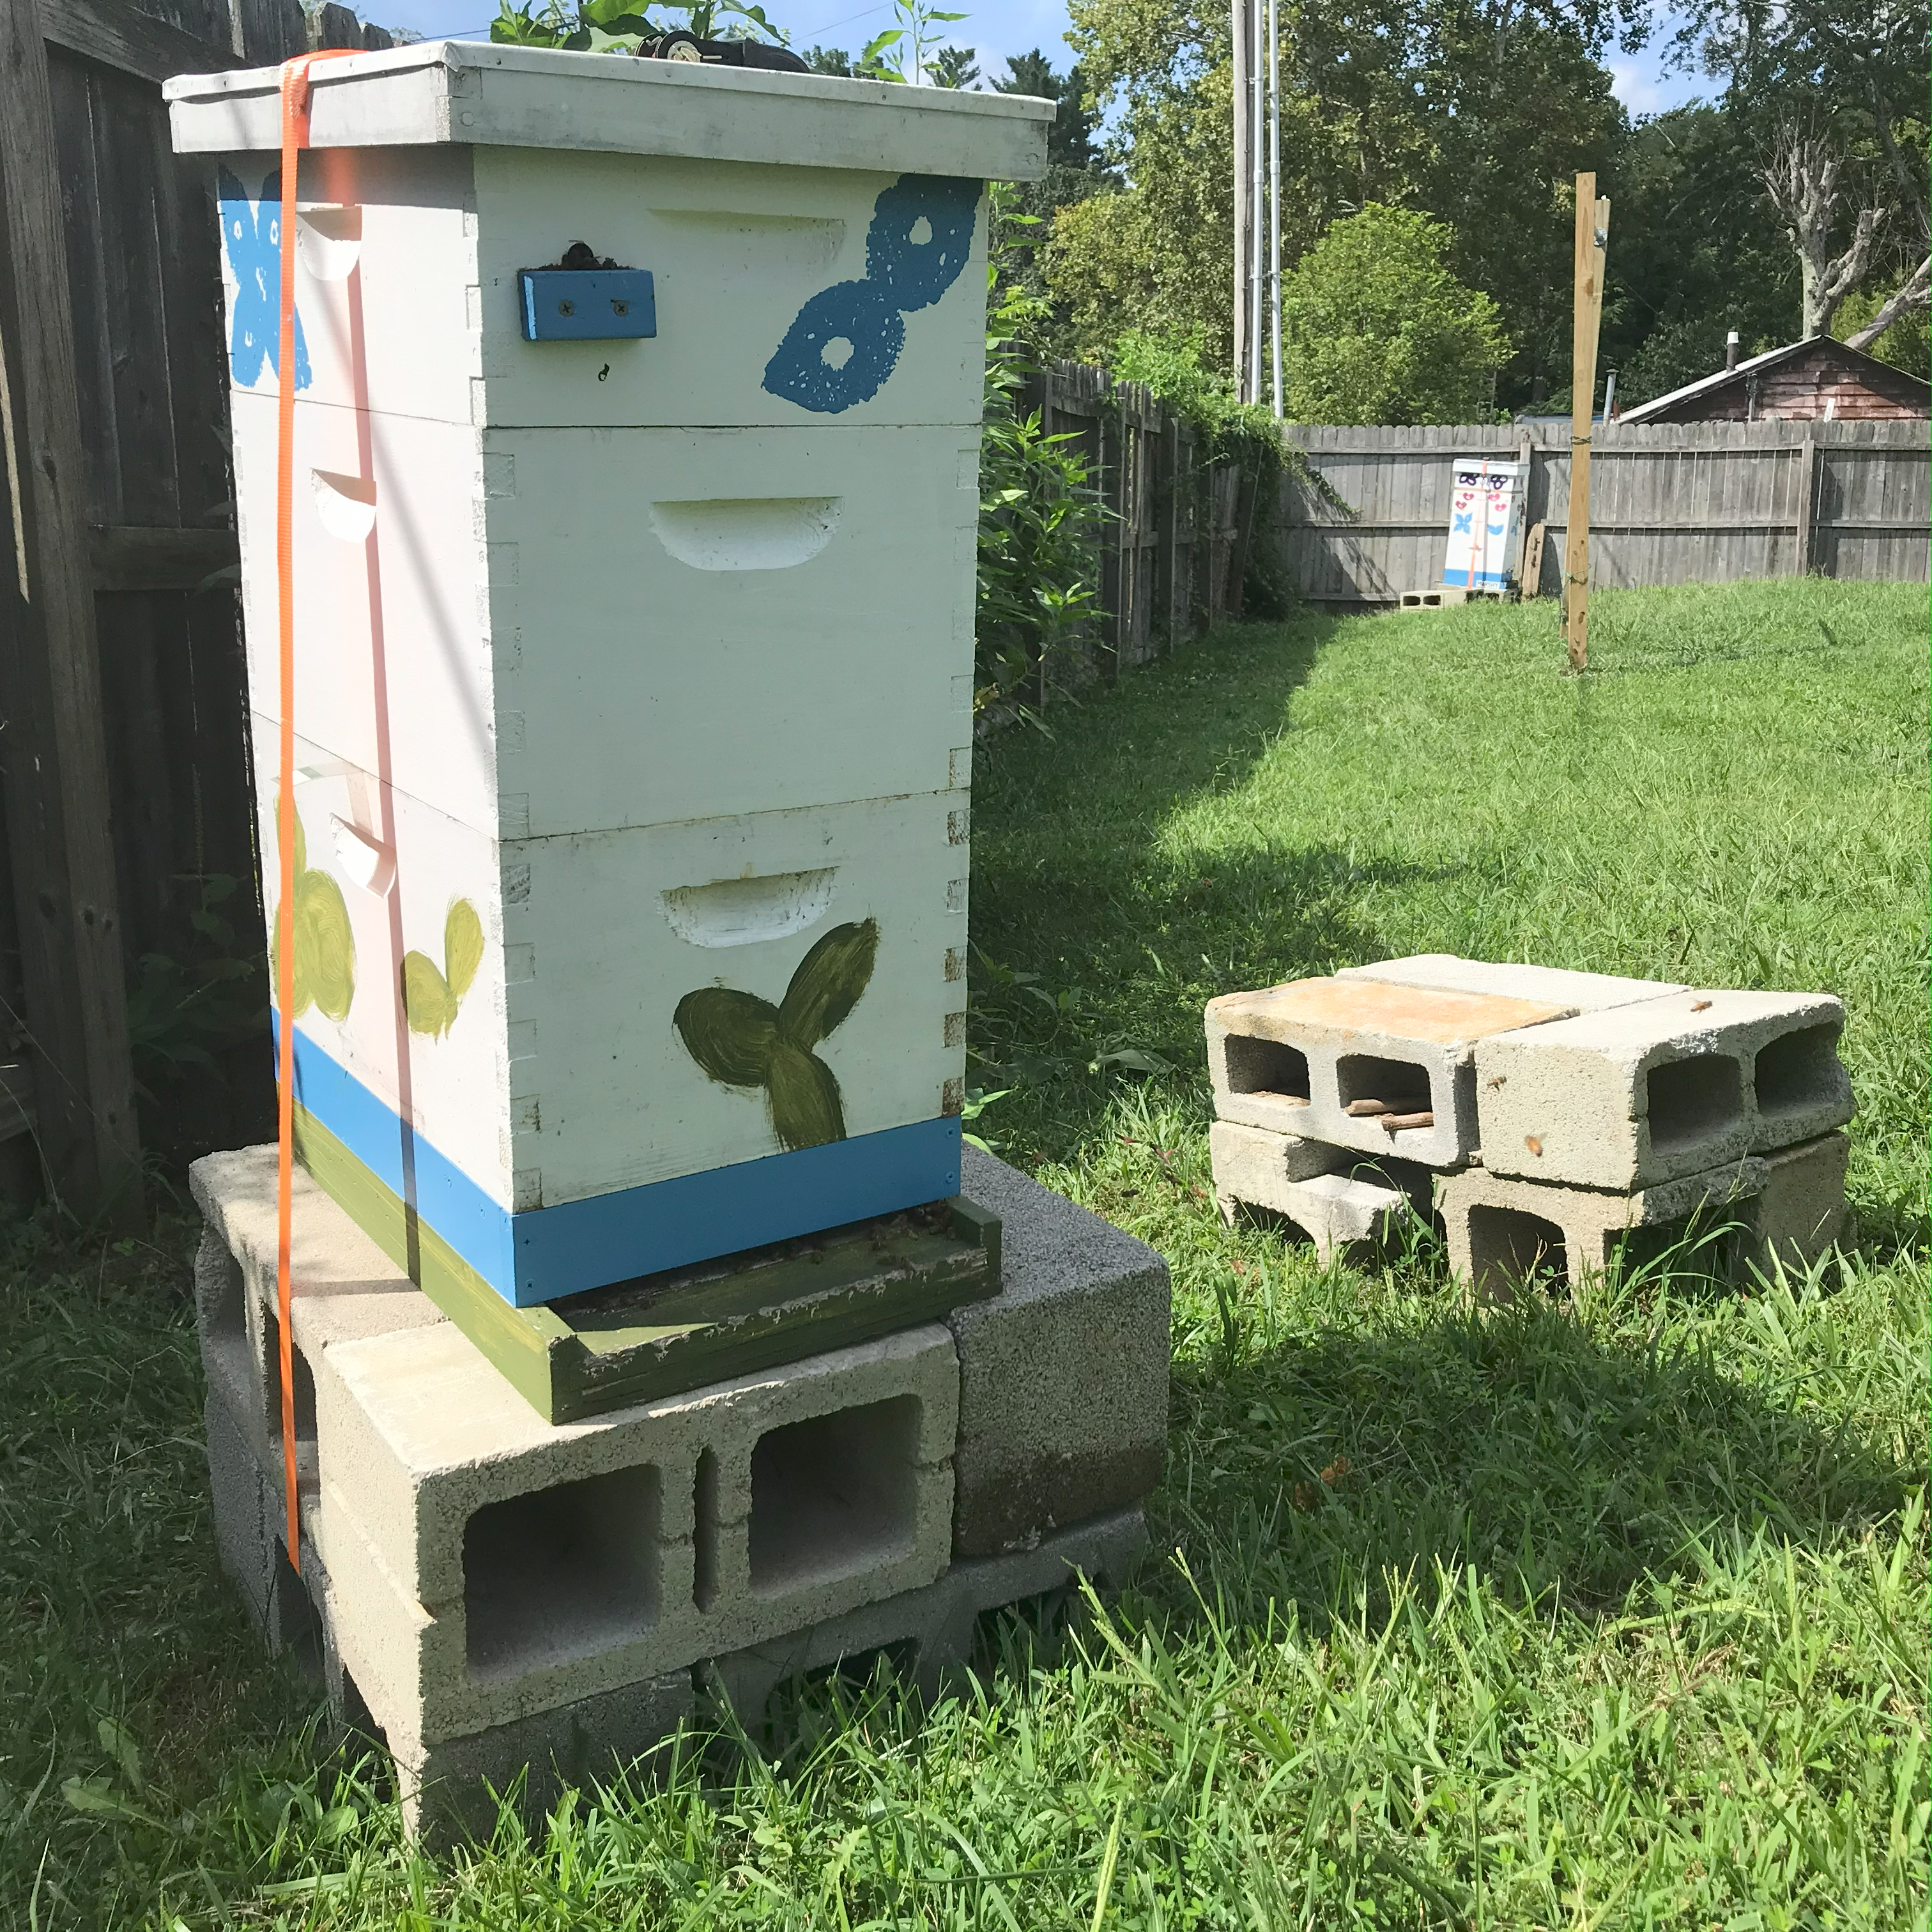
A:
{"points": [[995, 28]]}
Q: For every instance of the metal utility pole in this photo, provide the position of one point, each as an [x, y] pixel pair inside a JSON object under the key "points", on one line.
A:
{"points": [[1257, 277], [1244, 238], [1274, 193], [1593, 236]]}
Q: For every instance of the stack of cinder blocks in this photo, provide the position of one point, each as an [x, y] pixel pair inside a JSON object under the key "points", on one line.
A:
{"points": [[1552, 1118], [500, 1595]]}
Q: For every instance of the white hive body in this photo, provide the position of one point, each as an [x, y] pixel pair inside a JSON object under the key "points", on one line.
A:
{"points": [[633, 681]]}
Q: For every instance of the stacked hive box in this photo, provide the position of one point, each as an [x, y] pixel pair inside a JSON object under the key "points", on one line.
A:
{"points": [[636, 488], [1549, 1115], [636, 466]]}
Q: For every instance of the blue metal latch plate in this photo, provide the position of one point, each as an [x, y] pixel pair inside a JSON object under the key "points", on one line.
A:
{"points": [[587, 305]]}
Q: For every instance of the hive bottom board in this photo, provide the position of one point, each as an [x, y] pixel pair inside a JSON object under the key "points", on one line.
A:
{"points": [[666, 1332]]}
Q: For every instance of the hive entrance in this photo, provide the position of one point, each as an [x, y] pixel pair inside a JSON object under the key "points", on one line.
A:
{"points": [[833, 1495], [561, 1572]]}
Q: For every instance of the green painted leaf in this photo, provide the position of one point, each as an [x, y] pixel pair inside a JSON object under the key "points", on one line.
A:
{"points": [[829, 982], [462, 946], [731, 1035], [803, 1097]]}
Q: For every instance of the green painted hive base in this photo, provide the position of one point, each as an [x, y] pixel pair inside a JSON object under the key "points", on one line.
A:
{"points": [[664, 1333]]}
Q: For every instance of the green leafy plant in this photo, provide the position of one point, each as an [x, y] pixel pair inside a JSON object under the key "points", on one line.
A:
{"points": [[905, 52], [1377, 327], [1040, 515], [622, 26], [740, 1040], [183, 1013]]}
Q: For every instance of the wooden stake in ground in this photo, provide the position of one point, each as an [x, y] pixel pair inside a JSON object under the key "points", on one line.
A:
{"points": [[1593, 234]]}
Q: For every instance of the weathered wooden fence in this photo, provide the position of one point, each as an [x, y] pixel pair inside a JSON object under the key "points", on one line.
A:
{"points": [[1172, 551], [1687, 503], [124, 752]]}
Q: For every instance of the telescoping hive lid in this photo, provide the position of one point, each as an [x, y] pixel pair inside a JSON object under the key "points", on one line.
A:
{"points": [[472, 92]]}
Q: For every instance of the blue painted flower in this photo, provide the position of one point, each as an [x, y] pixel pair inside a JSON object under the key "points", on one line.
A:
{"points": [[918, 267], [839, 350], [844, 343], [251, 232]]}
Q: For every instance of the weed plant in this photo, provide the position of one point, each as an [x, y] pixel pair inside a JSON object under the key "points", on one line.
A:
{"points": [[1610, 1615]]}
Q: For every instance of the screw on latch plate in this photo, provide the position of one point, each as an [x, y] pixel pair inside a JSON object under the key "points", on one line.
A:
{"points": [[566, 308], [620, 308]]}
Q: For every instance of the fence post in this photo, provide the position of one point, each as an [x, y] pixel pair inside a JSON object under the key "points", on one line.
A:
{"points": [[54, 746], [1807, 453]]}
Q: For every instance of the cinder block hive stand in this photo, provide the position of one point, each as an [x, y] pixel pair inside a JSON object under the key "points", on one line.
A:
{"points": [[501, 1595], [1552, 1116]]}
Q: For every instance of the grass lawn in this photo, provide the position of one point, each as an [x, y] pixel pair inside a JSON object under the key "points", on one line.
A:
{"points": [[1609, 1617]]}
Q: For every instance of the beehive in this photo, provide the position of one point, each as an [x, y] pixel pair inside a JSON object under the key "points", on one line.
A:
{"points": [[633, 684]]}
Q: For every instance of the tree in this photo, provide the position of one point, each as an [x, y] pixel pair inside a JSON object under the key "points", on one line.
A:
{"points": [[952, 66], [1481, 115], [1695, 251], [1858, 67], [1802, 179], [1378, 329], [1070, 140]]}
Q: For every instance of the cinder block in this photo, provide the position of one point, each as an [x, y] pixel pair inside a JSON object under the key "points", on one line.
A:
{"points": [[249, 1526], [1295, 1059], [488, 1564], [1801, 1211], [446, 1786], [1062, 1374], [1669, 1087], [931, 1630], [1546, 986], [1251, 1162], [343, 1285], [1503, 1230], [1358, 1200]]}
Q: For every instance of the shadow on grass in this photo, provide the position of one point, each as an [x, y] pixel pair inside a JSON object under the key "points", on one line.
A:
{"points": [[1563, 1467]]}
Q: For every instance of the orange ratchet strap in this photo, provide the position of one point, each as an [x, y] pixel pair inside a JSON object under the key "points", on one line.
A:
{"points": [[295, 137]]}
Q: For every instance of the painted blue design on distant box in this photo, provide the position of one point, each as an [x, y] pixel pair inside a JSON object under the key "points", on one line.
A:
{"points": [[902, 275], [546, 1253], [251, 232]]}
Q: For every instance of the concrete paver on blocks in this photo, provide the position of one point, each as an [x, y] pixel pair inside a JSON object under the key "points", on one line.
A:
{"points": [[1800, 1211], [937, 1625], [1502, 1230], [1294, 1058], [1672, 1086], [1549, 985], [1358, 1200], [1062, 1374]]}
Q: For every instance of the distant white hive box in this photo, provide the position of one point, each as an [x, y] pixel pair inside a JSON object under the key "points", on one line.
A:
{"points": [[636, 491], [1485, 523]]}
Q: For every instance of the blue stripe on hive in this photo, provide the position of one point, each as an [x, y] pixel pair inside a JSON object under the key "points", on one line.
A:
{"points": [[546, 1253]]}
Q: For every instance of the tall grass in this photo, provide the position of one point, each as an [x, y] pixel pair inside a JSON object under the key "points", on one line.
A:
{"points": [[1608, 1617]]}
